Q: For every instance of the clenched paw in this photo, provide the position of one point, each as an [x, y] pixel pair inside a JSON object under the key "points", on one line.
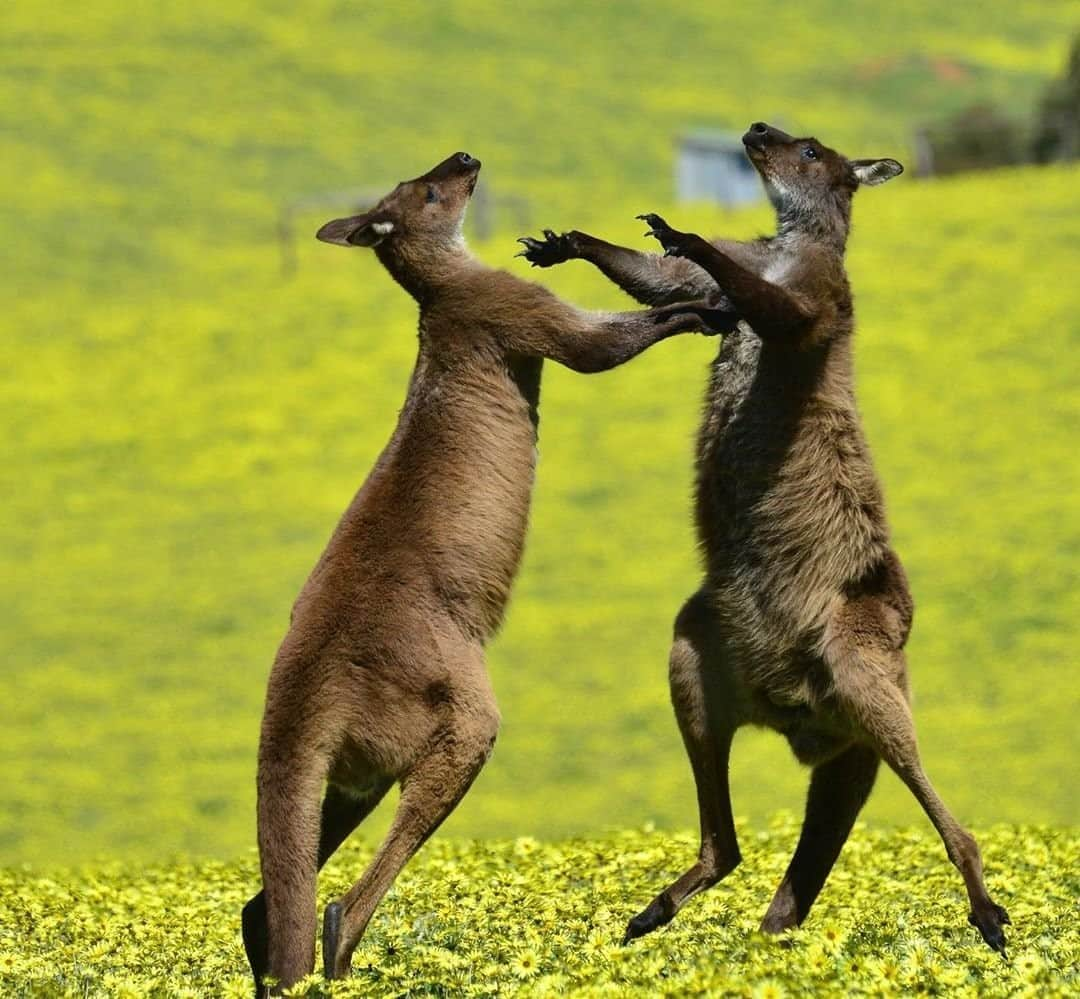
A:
{"points": [[723, 320], [554, 248], [711, 315]]}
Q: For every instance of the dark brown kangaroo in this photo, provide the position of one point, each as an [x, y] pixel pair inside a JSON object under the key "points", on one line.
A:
{"points": [[802, 618], [381, 675]]}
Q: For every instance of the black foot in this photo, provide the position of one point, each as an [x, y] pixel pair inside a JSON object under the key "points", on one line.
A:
{"points": [[660, 912], [989, 922], [331, 933], [253, 927], [675, 243], [552, 249]]}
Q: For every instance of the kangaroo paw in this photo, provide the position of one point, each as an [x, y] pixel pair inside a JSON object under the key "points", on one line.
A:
{"points": [[675, 243], [553, 249]]}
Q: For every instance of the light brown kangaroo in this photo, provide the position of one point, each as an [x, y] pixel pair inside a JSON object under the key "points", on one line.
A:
{"points": [[801, 620], [381, 676]]}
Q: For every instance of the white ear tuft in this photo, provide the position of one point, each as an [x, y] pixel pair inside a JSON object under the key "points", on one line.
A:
{"points": [[383, 228], [873, 172]]}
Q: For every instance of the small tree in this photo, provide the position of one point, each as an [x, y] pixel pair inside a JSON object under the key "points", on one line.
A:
{"points": [[1057, 129], [979, 137]]}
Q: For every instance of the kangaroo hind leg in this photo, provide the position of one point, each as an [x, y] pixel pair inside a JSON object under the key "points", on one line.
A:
{"points": [[707, 726], [838, 790], [430, 790], [279, 932], [869, 676], [341, 814]]}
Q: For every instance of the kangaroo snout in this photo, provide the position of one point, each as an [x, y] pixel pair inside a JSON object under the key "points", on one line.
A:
{"points": [[759, 135], [455, 165]]}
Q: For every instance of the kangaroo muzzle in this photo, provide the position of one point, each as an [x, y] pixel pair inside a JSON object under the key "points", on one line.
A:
{"points": [[759, 135]]}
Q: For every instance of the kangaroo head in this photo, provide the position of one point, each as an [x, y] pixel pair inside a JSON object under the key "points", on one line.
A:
{"points": [[418, 217], [809, 184]]}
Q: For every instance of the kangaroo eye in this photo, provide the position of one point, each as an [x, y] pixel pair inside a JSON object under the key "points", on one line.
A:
{"points": [[808, 153], [432, 195]]}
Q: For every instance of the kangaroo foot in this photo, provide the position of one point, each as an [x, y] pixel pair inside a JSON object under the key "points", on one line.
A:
{"points": [[331, 933], [659, 912], [989, 920], [253, 928]]}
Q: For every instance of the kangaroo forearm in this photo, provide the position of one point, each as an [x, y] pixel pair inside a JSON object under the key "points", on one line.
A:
{"points": [[649, 277], [614, 339], [770, 310]]}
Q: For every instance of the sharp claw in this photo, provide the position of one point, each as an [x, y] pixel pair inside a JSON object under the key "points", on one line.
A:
{"points": [[521, 254]]}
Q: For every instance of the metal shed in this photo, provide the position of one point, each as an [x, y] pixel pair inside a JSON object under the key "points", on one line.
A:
{"points": [[712, 166]]}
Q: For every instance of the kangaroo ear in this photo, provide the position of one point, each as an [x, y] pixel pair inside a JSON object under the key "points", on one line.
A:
{"points": [[875, 172], [359, 230]]}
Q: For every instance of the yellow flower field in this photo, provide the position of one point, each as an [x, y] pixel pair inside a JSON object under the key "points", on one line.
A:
{"points": [[480, 919]]}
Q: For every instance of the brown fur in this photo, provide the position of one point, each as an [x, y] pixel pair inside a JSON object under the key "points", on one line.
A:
{"points": [[801, 621], [381, 676]]}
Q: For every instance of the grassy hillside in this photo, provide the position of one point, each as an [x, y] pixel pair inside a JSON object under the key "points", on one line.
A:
{"points": [[144, 141], [515, 917], [185, 427]]}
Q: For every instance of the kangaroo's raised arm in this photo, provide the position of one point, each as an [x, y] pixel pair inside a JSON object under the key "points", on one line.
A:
{"points": [[650, 278], [773, 311], [591, 342], [528, 319]]}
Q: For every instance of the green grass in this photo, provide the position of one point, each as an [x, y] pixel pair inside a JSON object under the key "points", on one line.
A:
{"points": [[516, 917], [184, 427]]}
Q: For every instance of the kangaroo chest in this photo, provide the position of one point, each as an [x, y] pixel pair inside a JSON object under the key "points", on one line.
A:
{"points": [[788, 507], [479, 493]]}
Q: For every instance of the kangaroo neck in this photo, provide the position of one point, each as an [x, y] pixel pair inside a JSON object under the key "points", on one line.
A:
{"points": [[426, 271]]}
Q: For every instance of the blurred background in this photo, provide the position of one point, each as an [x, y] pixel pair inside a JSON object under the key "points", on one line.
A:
{"points": [[193, 388]]}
